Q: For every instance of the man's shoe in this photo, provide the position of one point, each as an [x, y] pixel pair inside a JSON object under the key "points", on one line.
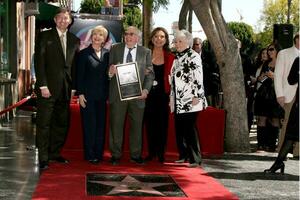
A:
{"points": [[114, 161], [43, 165], [138, 160], [148, 158], [180, 160], [60, 159], [94, 161], [193, 165]]}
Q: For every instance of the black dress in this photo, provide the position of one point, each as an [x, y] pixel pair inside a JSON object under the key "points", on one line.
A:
{"points": [[156, 114], [265, 103]]}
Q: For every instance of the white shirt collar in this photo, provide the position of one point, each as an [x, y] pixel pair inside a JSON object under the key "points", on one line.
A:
{"points": [[60, 33], [134, 47], [133, 53]]}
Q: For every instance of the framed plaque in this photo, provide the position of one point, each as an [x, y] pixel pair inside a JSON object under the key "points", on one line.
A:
{"points": [[128, 80]]}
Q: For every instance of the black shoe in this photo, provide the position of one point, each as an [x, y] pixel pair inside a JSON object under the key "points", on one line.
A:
{"points": [[94, 161], [275, 167], [260, 148], [138, 160], [181, 160], [43, 165], [60, 159], [114, 161], [270, 149], [149, 158], [161, 159], [193, 165], [295, 158]]}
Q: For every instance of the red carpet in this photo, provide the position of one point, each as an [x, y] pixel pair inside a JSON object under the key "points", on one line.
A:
{"points": [[68, 182], [210, 123]]}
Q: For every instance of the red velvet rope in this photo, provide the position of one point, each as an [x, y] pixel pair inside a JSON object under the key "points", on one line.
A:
{"points": [[15, 105]]}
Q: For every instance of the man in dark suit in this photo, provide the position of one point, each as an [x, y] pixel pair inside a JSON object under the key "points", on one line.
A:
{"points": [[55, 50], [135, 108]]}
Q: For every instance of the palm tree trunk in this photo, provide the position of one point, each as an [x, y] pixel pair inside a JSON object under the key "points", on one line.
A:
{"points": [[147, 21]]}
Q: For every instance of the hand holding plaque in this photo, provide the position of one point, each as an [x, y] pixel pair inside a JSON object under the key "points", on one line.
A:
{"points": [[128, 79]]}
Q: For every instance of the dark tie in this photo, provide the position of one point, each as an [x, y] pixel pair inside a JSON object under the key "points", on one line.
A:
{"points": [[129, 56]]}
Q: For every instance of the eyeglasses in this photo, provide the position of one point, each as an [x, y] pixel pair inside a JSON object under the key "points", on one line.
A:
{"points": [[131, 34], [271, 49], [196, 44]]}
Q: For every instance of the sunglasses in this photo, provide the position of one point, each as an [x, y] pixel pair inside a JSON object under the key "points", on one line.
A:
{"points": [[271, 49]]}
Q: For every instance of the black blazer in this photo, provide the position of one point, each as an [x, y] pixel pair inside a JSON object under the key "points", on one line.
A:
{"points": [[52, 69], [92, 79]]}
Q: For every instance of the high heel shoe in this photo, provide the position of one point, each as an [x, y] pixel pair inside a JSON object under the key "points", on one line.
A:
{"points": [[275, 167]]}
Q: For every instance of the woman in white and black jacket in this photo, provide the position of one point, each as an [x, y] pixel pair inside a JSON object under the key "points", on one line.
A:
{"points": [[187, 97]]}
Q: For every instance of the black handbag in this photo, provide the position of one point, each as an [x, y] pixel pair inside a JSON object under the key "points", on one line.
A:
{"points": [[266, 90]]}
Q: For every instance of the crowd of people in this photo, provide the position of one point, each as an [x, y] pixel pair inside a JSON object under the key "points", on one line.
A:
{"points": [[182, 82], [274, 101]]}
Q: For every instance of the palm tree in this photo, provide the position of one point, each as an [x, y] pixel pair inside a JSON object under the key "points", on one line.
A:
{"points": [[150, 6]]}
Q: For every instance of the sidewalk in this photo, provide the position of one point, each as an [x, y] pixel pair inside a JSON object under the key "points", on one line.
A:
{"points": [[242, 174]]}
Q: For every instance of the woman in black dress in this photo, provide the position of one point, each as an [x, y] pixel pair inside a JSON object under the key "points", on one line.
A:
{"points": [[255, 81], [157, 109], [266, 108]]}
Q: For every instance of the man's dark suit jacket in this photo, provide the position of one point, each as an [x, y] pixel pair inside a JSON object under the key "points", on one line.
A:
{"points": [[52, 69]]}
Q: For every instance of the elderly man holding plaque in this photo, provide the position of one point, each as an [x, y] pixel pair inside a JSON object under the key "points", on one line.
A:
{"points": [[128, 97]]}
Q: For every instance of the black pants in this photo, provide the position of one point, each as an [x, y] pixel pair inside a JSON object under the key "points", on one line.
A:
{"points": [[156, 120], [186, 136], [53, 118], [93, 121]]}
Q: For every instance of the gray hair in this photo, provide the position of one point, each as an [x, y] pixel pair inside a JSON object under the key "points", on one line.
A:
{"points": [[186, 35], [197, 39], [136, 30]]}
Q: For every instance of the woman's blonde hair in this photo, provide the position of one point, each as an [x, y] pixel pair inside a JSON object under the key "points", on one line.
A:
{"points": [[100, 29]]}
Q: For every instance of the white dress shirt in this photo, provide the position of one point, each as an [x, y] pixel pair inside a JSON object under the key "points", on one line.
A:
{"points": [[133, 53]]}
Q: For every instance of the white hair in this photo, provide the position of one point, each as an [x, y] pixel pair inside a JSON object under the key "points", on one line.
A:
{"points": [[136, 30], [186, 35]]}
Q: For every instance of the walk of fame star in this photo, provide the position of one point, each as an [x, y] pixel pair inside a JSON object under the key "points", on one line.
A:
{"points": [[132, 185]]}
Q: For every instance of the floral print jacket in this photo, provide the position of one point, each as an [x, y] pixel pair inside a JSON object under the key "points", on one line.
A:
{"points": [[187, 82]]}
